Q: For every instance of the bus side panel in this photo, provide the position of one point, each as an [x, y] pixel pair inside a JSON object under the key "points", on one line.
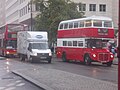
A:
{"points": [[82, 32], [71, 53]]}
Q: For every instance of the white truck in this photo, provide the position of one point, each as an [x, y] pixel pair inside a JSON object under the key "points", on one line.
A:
{"points": [[33, 45]]}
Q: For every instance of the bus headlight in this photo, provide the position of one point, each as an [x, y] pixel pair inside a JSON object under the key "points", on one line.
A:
{"points": [[111, 56], [7, 52], [94, 55]]}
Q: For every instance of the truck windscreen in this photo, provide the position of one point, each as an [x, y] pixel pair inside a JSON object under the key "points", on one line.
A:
{"points": [[39, 45]]}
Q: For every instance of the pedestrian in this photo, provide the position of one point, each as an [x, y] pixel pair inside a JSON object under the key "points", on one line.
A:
{"points": [[52, 49]]}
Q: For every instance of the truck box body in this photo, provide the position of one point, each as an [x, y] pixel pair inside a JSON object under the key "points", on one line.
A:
{"points": [[33, 44]]}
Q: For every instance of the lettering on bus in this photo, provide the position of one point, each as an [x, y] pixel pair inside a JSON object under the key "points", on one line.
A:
{"points": [[102, 31]]}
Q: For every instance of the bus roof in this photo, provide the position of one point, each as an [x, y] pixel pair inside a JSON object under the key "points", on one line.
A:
{"points": [[89, 18]]}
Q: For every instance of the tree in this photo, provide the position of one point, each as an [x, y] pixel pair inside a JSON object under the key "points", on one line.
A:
{"points": [[52, 12]]}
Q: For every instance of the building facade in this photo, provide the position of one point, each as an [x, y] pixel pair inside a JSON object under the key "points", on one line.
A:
{"points": [[100, 8], [2, 12], [20, 11], [11, 11]]}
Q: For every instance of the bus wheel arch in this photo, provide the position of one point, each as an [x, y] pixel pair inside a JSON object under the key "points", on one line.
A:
{"points": [[87, 59], [109, 63]]}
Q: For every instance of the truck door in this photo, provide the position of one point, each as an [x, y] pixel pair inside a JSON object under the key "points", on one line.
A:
{"points": [[29, 49]]}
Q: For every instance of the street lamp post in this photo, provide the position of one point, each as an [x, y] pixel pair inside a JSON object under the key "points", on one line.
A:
{"points": [[31, 15]]}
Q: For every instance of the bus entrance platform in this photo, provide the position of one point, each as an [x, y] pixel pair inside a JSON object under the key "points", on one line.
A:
{"points": [[52, 79]]}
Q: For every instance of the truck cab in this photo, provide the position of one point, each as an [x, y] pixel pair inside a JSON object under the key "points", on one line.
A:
{"points": [[33, 45], [39, 50]]}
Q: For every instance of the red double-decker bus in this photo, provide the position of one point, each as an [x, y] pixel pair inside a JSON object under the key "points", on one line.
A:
{"points": [[8, 39], [85, 40]]}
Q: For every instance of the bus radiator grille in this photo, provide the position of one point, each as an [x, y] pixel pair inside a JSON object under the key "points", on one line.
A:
{"points": [[103, 57]]}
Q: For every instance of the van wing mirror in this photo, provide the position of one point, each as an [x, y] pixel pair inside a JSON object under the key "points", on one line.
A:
{"points": [[29, 49]]}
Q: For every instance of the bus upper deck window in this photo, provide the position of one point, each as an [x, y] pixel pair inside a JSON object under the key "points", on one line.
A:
{"points": [[97, 23], [81, 24], [88, 23], [66, 26], [70, 25], [75, 24], [61, 26], [107, 24]]}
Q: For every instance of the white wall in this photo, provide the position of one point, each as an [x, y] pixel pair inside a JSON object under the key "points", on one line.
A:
{"points": [[12, 13], [2, 12]]}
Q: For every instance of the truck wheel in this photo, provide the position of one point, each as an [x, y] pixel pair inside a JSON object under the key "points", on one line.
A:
{"points": [[31, 59], [49, 61], [87, 60], [109, 64]]}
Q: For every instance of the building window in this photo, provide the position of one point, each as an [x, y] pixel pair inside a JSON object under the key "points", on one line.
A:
{"points": [[82, 7], [92, 7], [102, 8]]}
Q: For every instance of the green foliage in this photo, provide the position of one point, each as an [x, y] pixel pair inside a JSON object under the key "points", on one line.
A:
{"points": [[52, 12]]}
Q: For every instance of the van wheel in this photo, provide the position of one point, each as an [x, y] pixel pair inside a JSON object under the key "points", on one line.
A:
{"points": [[31, 59], [109, 64], [49, 61], [64, 59], [87, 60]]}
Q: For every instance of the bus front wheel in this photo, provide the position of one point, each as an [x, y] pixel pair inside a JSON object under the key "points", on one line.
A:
{"points": [[87, 60], [109, 63]]}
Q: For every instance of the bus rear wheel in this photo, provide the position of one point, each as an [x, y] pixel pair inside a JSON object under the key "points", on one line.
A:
{"points": [[64, 59], [87, 60]]}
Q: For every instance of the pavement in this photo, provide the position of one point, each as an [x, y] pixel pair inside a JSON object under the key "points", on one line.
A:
{"points": [[52, 79]]}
